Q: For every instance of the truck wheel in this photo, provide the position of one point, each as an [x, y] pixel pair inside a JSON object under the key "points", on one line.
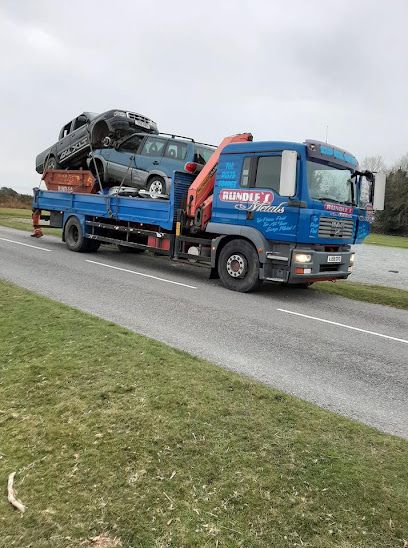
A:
{"points": [[75, 240], [156, 186], [51, 163], [238, 266]]}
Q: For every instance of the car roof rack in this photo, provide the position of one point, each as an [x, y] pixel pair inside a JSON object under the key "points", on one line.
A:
{"points": [[173, 136]]}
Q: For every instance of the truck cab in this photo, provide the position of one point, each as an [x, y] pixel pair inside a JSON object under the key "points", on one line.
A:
{"points": [[303, 229]]}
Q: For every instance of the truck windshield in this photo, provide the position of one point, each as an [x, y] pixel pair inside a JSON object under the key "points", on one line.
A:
{"points": [[333, 184]]}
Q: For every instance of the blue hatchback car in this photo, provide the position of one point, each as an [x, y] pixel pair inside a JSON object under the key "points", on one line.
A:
{"points": [[147, 161]]}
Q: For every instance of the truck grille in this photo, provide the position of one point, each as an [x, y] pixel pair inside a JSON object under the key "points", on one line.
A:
{"points": [[335, 228]]}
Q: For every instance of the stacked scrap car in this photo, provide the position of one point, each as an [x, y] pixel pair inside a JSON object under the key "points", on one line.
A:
{"points": [[89, 130]]}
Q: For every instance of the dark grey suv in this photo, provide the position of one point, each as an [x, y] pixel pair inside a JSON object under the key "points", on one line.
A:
{"points": [[74, 140]]}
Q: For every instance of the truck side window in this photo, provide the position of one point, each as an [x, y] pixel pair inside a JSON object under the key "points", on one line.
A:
{"points": [[246, 171], [268, 172], [153, 147]]}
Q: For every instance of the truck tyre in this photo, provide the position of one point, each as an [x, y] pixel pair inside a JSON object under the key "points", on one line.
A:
{"points": [[156, 186], [51, 163], [75, 240], [238, 266]]}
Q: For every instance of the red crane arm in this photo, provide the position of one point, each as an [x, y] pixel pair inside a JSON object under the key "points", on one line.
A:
{"points": [[203, 185]]}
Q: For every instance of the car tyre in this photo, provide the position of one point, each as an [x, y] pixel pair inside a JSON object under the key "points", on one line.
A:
{"points": [[51, 163], [156, 186]]}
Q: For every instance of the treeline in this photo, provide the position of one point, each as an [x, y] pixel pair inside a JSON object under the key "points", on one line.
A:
{"points": [[11, 198], [394, 218]]}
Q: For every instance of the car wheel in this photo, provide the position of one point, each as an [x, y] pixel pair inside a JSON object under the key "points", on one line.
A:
{"points": [[156, 186], [51, 163], [238, 266]]}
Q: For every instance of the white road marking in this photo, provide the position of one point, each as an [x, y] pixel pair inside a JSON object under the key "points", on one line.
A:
{"points": [[343, 325], [27, 245], [141, 274]]}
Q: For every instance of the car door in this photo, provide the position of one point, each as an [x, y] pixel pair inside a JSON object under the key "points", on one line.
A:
{"points": [[79, 138], [121, 165], [150, 157], [63, 144], [265, 209], [174, 157]]}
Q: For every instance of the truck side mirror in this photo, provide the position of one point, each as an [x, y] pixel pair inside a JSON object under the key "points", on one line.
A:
{"points": [[287, 184], [379, 191]]}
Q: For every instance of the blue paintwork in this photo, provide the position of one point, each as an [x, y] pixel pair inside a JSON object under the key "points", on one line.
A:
{"points": [[293, 224], [160, 213], [282, 222]]}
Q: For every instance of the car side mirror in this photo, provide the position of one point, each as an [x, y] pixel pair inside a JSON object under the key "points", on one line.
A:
{"points": [[287, 184], [379, 191]]}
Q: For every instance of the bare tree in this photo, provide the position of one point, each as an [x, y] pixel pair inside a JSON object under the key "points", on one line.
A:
{"points": [[373, 163]]}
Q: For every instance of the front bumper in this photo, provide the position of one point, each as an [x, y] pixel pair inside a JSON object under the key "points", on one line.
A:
{"points": [[319, 268]]}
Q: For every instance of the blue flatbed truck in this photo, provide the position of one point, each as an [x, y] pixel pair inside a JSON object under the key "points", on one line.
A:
{"points": [[270, 211]]}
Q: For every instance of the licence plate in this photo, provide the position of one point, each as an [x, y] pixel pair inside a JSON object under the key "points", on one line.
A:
{"points": [[334, 259], [142, 124]]}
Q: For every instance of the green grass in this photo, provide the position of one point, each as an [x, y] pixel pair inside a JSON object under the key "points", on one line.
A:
{"points": [[21, 219], [390, 241], [377, 294], [114, 434]]}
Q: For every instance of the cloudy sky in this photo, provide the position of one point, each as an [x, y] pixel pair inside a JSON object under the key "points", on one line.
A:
{"points": [[282, 70]]}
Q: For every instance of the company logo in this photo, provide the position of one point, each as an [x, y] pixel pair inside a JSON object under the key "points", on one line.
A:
{"points": [[337, 227], [338, 207], [252, 200], [247, 196]]}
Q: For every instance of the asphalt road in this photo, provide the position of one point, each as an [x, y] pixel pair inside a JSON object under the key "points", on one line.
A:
{"points": [[347, 356]]}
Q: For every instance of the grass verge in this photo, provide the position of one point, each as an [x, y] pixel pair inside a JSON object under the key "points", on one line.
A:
{"points": [[377, 294], [118, 436], [390, 241], [21, 219]]}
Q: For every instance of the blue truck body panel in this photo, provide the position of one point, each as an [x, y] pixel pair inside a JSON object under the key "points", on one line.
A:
{"points": [[160, 213]]}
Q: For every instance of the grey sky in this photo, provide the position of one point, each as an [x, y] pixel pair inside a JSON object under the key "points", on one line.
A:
{"points": [[282, 70]]}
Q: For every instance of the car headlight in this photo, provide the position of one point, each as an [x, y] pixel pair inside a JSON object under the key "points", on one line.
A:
{"points": [[352, 257], [119, 113], [303, 258]]}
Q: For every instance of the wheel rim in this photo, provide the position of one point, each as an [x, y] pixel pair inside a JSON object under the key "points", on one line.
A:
{"points": [[237, 266], [51, 164], [156, 188], [74, 234]]}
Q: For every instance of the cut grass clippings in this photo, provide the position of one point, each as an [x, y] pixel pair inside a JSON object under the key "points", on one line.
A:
{"points": [[376, 294], [115, 436], [21, 220]]}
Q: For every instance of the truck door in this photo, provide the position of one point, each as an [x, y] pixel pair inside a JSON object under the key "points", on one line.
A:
{"points": [[150, 157], [265, 209]]}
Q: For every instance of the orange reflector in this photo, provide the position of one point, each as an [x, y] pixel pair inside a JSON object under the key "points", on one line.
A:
{"points": [[299, 270]]}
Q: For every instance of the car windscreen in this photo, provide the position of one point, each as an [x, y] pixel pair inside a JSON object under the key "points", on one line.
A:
{"points": [[202, 154]]}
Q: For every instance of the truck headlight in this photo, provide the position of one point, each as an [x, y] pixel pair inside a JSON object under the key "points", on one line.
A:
{"points": [[352, 257], [119, 113], [303, 258]]}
